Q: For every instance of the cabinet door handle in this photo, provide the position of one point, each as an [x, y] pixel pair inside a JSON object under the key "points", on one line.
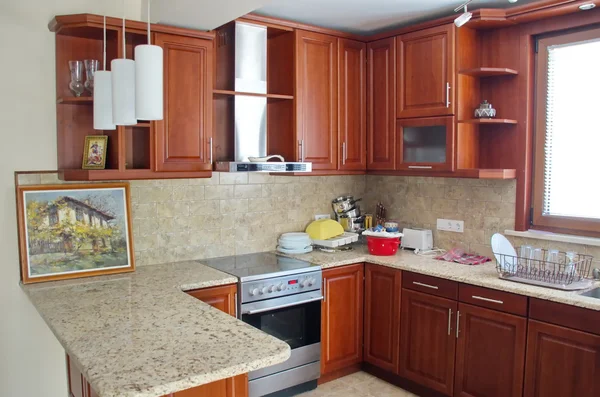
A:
{"points": [[447, 95], [301, 144], [449, 321], [426, 285], [235, 304], [343, 153], [324, 290], [457, 323], [210, 145], [481, 298], [420, 167]]}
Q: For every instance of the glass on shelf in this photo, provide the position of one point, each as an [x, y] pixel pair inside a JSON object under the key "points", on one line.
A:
{"points": [[76, 84], [91, 65]]}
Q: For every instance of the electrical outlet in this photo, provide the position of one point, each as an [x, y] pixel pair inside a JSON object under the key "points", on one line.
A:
{"points": [[322, 216], [451, 225]]}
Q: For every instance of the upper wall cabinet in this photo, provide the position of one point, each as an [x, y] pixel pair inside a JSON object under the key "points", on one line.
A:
{"points": [[426, 72], [352, 105], [317, 99], [184, 136], [381, 102]]}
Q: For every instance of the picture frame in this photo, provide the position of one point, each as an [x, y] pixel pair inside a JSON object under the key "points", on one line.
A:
{"points": [[74, 230], [94, 152]]}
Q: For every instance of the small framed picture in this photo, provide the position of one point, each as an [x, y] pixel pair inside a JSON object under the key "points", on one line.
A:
{"points": [[94, 153]]}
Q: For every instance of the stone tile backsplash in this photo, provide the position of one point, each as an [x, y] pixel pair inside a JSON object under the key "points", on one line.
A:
{"points": [[238, 213]]}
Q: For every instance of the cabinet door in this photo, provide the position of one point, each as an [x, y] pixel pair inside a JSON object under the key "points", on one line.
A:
{"points": [[352, 105], [428, 340], [426, 72], [490, 353], [76, 380], [223, 297], [426, 144], [183, 137], [561, 362], [342, 318], [317, 99], [382, 316], [381, 131]]}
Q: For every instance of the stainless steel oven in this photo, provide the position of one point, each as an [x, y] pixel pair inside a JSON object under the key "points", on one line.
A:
{"points": [[287, 307]]}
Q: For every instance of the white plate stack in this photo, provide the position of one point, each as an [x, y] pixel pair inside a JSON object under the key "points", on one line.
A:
{"points": [[294, 243]]}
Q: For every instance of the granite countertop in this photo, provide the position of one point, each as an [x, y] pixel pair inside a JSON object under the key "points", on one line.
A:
{"points": [[139, 335], [484, 275]]}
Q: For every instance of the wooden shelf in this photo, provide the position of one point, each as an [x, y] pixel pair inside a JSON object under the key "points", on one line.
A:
{"points": [[129, 174], [268, 96], [82, 100], [145, 124], [489, 72], [488, 121]]}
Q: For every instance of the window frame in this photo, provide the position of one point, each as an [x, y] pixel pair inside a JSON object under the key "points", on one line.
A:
{"points": [[572, 225]]}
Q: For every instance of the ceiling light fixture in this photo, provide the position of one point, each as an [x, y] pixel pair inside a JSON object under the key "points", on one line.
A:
{"points": [[123, 86], [464, 17], [148, 80], [512, 1], [103, 118], [587, 6]]}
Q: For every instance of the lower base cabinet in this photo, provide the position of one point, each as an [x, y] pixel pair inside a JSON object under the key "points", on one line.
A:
{"points": [[561, 362], [427, 340], [342, 318], [490, 353]]}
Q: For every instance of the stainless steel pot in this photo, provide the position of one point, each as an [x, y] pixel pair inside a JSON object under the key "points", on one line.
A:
{"points": [[353, 213], [343, 204], [353, 225]]}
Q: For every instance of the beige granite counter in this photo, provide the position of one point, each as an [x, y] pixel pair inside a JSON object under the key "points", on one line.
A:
{"points": [[482, 275], [139, 335]]}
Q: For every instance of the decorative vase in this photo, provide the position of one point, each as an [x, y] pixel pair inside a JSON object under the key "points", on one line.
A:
{"points": [[485, 111]]}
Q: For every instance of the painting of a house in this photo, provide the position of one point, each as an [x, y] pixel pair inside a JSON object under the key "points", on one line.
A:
{"points": [[71, 230]]}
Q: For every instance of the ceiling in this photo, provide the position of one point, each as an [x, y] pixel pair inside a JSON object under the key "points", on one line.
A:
{"points": [[369, 16]]}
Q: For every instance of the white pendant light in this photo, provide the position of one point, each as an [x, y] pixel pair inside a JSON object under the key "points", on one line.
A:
{"points": [[148, 80], [103, 118], [123, 87]]}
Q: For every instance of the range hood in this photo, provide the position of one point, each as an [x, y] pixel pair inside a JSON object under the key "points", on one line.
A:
{"points": [[250, 112]]}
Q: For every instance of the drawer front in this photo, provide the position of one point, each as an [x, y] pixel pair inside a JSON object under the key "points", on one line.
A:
{"points": [[565, 315], [493, 299], [430, 285]]}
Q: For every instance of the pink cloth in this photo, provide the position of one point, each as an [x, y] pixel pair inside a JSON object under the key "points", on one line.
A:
{"points": [[460, 256]]}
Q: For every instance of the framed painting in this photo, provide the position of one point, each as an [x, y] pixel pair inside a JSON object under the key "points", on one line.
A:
{"points": [[74, 230], [94, 152]]}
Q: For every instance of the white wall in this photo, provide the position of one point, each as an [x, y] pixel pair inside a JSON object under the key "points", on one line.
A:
{"points": [[31, 359]]}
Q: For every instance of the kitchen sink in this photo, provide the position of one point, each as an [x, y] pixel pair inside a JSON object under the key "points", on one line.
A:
{"points": [[593, 293]]}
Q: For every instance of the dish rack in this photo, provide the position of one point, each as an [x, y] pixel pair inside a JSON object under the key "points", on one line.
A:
{"points": [[565, 274]]}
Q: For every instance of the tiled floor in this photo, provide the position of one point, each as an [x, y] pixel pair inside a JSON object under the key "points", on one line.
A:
{"points": [[359, 384]]}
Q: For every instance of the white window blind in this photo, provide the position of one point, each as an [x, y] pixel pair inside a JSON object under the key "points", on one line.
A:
{"points": [[572, 143]]}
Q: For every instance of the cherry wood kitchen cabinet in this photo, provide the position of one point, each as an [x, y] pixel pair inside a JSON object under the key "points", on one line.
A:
{"points": [[222, 297], [383, 287], [428, 340], [317, 99], [426, 72], [184, 136], [342, 318], [352, 104], [426, 144], [381, 103], [490, 353], [561, 362]]}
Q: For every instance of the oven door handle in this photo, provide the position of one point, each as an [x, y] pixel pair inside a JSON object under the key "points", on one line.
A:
{"points": [[268, 309]]}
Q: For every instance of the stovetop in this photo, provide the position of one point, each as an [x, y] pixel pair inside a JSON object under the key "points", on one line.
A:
{"points": [[260, 266]]}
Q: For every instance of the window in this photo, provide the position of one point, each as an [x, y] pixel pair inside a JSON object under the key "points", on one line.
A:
{"points": [[79, 214], [567, 133], [53, 216]]}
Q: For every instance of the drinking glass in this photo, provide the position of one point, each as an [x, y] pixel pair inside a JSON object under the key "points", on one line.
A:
{"points": [[571, 257], [91, 65], [76, 84], [525, 255], [537, 258]]}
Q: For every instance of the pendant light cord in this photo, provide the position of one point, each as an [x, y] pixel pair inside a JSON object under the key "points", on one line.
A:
{"points": [[104, 46], [124, 47], [149, 23]]}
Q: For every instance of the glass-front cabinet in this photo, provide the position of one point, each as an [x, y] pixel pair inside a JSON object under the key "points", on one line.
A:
{"points": [[425, 144]]}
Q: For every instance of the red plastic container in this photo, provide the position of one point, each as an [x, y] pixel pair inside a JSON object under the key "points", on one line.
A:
{"points": [[383, 246]]}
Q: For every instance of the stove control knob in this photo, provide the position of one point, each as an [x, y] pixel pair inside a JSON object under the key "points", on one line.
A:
{"points": [[263, 290], [254, 292], [305, 283], [271, 289], [281, 287], [311, 282]]}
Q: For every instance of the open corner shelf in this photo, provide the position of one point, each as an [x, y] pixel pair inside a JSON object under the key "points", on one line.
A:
{"points": [[82, 100], [489, 72], [270, 97], [127, 174], [488, 121]]}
